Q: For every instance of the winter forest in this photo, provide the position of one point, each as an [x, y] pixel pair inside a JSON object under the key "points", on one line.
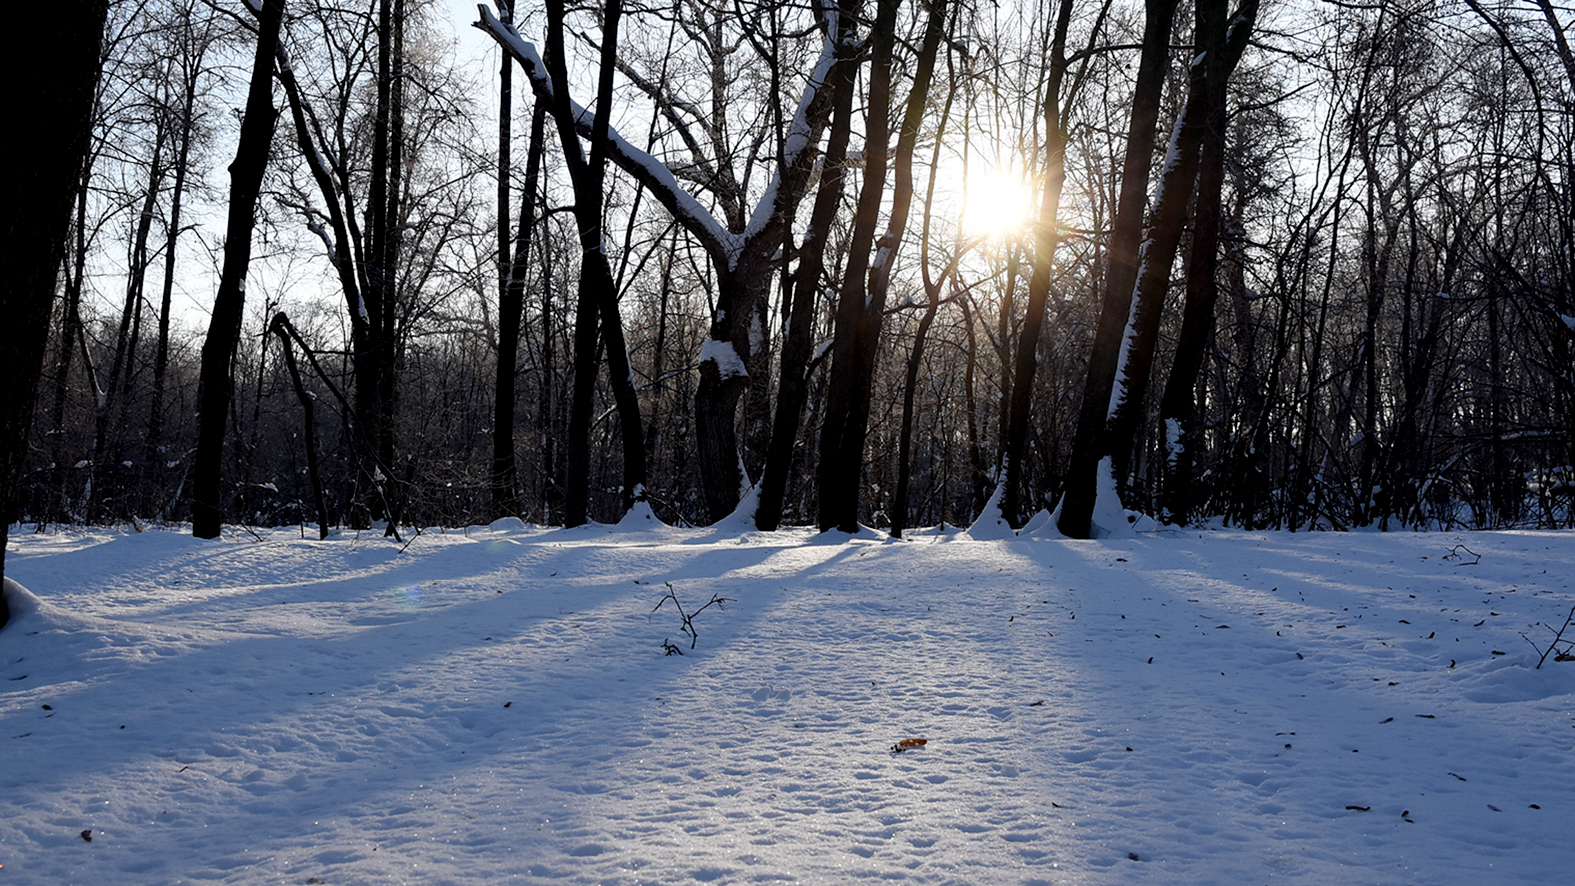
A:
{"points": [[836, 262]]}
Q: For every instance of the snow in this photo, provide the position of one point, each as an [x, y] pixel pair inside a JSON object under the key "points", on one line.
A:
{"points": [[728, 363], [493, 705], [991, 524]]}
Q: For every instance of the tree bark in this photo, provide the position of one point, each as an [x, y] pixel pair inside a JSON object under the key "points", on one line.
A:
{"points": [[798, 344], [216, 384], [862, 303], [1214, 59], [155, 446], [281, 327], [597, 306], [743, 261]]}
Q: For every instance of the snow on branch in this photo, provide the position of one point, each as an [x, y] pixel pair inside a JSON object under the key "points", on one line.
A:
{"points": [[802, 134], [723, 245]]}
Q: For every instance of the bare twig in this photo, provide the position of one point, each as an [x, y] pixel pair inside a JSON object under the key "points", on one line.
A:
{"points": [[688, 626], [1553, 646], [1455, 553]]}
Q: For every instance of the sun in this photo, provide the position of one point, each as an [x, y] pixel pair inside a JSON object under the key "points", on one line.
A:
{"points": [[996, 202]]}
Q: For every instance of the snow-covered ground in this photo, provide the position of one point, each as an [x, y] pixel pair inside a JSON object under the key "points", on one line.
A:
{"points": [[493, 705]]}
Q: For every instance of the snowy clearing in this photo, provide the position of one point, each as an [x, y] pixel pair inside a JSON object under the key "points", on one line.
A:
{"points": [[493, 705]]}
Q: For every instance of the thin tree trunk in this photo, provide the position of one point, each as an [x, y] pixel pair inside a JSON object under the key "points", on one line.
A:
{"points": [[161, 351], [597, 293], [798, 344], [282, 328], [862, 304], [1221, 45], [511, 310], [1046, 238], [117, 387]]}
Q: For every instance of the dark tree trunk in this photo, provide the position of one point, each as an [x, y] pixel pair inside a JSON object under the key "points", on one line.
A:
{"points": [[932, 306], [44, 171], [743, 261], [161, 351], [286, 332], [841, 456], [862, 304], [1214, 60], [798, 344], [216, 384], [1089, 444], [597, 307], [1046, 238], [117, 388], [978, 473], [1221, 44], [511, 310]]}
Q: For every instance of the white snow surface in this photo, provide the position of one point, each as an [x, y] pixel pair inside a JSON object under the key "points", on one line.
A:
{"points": [[728, 363], [492, 705]]}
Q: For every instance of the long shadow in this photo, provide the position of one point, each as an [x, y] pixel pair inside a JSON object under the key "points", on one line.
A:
{"points": [[425, 633]]}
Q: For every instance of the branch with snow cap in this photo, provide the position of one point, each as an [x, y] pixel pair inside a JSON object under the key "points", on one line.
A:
{"points": [[721, 244]]}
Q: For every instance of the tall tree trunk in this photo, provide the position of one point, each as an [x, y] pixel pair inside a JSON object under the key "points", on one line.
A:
{"points": [[216, 384], [118, 387], [743, 259], [932, 306], [161, 351], [1220, 45], [1046, 238], [44, 170], [511, 310], [597, 307], [840, 465], [797, 343], [1089, 444], [281, 327], [862, 304]]}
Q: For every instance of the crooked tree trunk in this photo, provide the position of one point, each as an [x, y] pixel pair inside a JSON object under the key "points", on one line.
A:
{"points": [[282, 328], [216, 384], [743, 261]]}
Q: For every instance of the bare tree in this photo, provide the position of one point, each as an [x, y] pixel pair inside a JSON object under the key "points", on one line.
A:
{"points": [[224, 330]]}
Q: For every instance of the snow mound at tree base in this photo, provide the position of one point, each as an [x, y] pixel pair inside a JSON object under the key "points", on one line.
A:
{"points": [[19, 600]]}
